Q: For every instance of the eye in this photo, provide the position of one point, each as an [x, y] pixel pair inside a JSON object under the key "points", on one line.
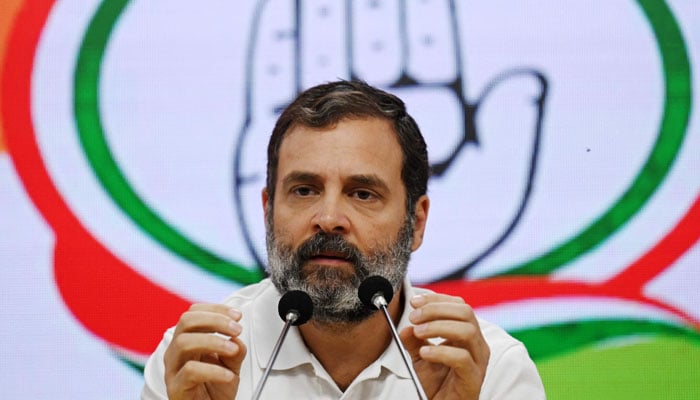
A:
{"points": [[303, 191], [364, 195]]}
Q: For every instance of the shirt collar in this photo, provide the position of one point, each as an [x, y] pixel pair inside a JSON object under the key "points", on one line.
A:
{"points": [[391, 358], [267, 326]]}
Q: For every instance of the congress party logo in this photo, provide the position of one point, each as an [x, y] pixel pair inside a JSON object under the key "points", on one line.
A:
{"points": [[139, 128]]}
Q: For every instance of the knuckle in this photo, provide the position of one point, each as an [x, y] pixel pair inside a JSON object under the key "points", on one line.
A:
{"points": [[458, 299], [183, 326], [469, 331], [468, 312], [186, 320], [178, 342], [464, 357], [183, 343], [189, 368]]}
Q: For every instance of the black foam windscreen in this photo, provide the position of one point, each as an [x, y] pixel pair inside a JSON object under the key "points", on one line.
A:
{"points": [[372, 286], [298, 302]]}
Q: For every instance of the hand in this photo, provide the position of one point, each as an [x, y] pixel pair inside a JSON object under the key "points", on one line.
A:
{"points": [[199, 364], [455, 368], [483, 129]]}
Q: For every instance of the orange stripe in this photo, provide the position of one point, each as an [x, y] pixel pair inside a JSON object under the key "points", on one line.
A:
{"points": [[8, 11]]}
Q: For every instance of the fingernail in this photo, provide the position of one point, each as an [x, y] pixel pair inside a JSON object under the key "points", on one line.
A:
{"points": [[234, 327], [230, 346], [425, 351], [418, 300], [235, 314], [228, 375], [414, 315], [420, 328]]}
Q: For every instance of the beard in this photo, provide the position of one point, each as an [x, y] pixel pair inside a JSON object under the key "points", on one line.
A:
{"points": [[333, 290]]}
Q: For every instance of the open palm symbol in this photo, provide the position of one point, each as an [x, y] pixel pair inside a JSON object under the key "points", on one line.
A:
{"points": [[413, 49]]}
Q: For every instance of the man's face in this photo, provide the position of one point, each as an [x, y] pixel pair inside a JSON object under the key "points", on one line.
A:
{"points": [[339, 215], [334, 290]]}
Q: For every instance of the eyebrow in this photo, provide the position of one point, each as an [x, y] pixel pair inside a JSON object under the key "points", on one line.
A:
{"points": [[370, 180], [299, 176]]}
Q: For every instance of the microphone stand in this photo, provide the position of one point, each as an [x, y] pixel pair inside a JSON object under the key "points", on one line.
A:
{"points": [[290, 318], [295, 308], [379, 302]]}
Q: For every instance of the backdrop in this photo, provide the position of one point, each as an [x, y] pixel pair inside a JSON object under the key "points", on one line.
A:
{"points": [[563, 137]]}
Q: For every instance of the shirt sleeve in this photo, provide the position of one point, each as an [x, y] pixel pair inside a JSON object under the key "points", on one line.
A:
{"points": [[512, 376], [154, 372]]}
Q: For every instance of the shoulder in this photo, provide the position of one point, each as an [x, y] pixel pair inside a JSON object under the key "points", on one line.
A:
{"points": [[511, 372], [248, 294], [498, 339]]}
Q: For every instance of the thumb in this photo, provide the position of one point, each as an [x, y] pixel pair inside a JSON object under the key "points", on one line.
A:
{"points": [[411, 342], [234, 362]]}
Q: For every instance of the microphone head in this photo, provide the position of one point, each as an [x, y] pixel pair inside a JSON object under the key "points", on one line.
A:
{"points": [[297, 302], [374, 286]]}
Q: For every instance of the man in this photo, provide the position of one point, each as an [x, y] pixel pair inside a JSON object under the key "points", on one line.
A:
{"points": [[345, 199]]}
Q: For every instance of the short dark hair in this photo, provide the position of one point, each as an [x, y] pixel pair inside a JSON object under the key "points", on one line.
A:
{"points": [[329, 103]]}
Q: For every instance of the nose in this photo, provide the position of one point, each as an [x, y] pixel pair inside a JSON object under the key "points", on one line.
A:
{"points": [[331, 216]]}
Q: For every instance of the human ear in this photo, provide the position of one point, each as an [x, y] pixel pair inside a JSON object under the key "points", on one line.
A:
{"points": [[265, 200], [420, 219]]}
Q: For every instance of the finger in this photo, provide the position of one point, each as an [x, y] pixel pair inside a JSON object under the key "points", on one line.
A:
{"points": [[431, 297], [377, 50], [210, 321], [193, 346], [323, 45], [442, 311], [270, 63], [215, 307], [234, 362], [453, 357], [470, 372], [508, 153], [458, 334], [195, 373], [432, 34], [207, 322], [411, 343], [270, 84], [518, 92]]}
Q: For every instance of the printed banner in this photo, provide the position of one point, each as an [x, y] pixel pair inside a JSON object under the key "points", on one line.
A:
{"points": [[563, 139]]}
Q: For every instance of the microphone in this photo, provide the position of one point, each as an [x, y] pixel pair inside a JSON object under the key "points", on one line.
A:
{"points": [[377, 292], [295, 308]]}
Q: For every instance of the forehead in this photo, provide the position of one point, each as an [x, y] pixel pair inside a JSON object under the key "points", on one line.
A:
{"points": [[352, 146]]}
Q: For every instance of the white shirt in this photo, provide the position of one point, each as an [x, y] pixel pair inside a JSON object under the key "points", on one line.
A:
{"points": [[297, 374]]}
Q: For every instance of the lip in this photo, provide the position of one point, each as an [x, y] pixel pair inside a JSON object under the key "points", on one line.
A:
{"points": [[331, 259], [332, 254]]}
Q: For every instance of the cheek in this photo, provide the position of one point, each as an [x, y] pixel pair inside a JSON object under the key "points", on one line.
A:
{"points": [[379, 236], [286, 228]]}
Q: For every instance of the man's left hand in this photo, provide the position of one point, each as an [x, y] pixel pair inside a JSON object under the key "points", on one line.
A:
{"points": [[455, 368]]}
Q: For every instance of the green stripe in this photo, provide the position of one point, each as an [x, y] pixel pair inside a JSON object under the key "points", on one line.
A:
{"points": [[677, 107], [552, 340], [92, 138], [674, 123], [135, 366], [662, 367]]}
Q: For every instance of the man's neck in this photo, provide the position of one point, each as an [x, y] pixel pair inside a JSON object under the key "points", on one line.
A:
{"points": [[346, 349]]}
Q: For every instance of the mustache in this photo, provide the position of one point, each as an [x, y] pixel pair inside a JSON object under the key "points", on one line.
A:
{"points": [[323, 242]]}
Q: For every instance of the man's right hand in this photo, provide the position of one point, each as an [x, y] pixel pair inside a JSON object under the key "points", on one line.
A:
{"points": [[200, 364]]}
